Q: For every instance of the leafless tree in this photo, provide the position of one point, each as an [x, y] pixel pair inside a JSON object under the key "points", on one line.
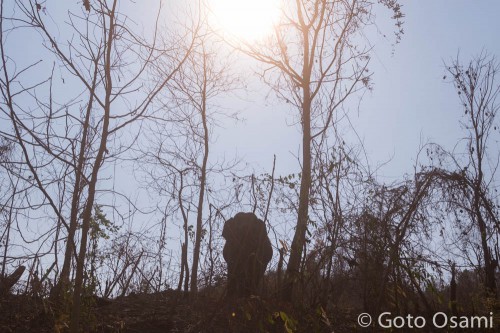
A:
{"points": [[470, 181], [313, 63], [105, 62], [179, 163]]}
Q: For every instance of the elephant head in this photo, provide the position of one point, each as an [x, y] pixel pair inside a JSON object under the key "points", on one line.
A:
{"points": [[247, 252]]}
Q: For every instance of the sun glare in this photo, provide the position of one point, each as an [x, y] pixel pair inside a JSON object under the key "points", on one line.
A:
{"points": [[249, 20]]}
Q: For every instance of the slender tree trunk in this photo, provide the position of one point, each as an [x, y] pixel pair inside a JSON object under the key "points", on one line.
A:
{"points": [[9, 226], [453, 291], [87, 213], [210, 249], [181, 275], [489, 267], [293, 268], [203, 177], [77, 191], [184, 261]]}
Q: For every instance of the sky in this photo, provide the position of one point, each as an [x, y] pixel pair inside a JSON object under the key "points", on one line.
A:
{"points": [[410, 103]]}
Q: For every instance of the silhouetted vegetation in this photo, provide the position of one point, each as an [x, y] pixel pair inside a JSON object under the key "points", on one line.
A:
{"points": [[96, 106]]}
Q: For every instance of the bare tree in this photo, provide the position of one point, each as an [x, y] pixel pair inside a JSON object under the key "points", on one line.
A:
{"points": [[335, 200], [106, 64], [474, 179], [313, 63], [180, 157]]}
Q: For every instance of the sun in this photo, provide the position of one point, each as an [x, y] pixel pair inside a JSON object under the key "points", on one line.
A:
{"points": [[246, 20]]}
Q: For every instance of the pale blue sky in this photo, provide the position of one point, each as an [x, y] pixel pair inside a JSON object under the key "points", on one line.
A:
{"points": [[410, 99], [410, 102]]}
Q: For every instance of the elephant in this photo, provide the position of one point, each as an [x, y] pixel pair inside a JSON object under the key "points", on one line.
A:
{"points": [[247, 252]]}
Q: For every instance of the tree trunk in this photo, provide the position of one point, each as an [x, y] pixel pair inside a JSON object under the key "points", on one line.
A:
{"points": [[293, 268], [181, 275], [70, 250], [203, 177], [453, 291], [489, 265], [87, 213], [7, 282]]}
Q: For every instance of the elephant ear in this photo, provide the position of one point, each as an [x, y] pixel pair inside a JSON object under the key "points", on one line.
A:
{"points": [[229, 229], [260, 228], [266, 247]]}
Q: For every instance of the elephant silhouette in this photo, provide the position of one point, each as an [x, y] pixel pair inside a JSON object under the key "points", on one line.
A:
{"points": [[247, 252]]}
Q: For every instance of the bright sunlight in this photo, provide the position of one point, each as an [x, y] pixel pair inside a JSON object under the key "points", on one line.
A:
{"points": [[247, 20]]}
